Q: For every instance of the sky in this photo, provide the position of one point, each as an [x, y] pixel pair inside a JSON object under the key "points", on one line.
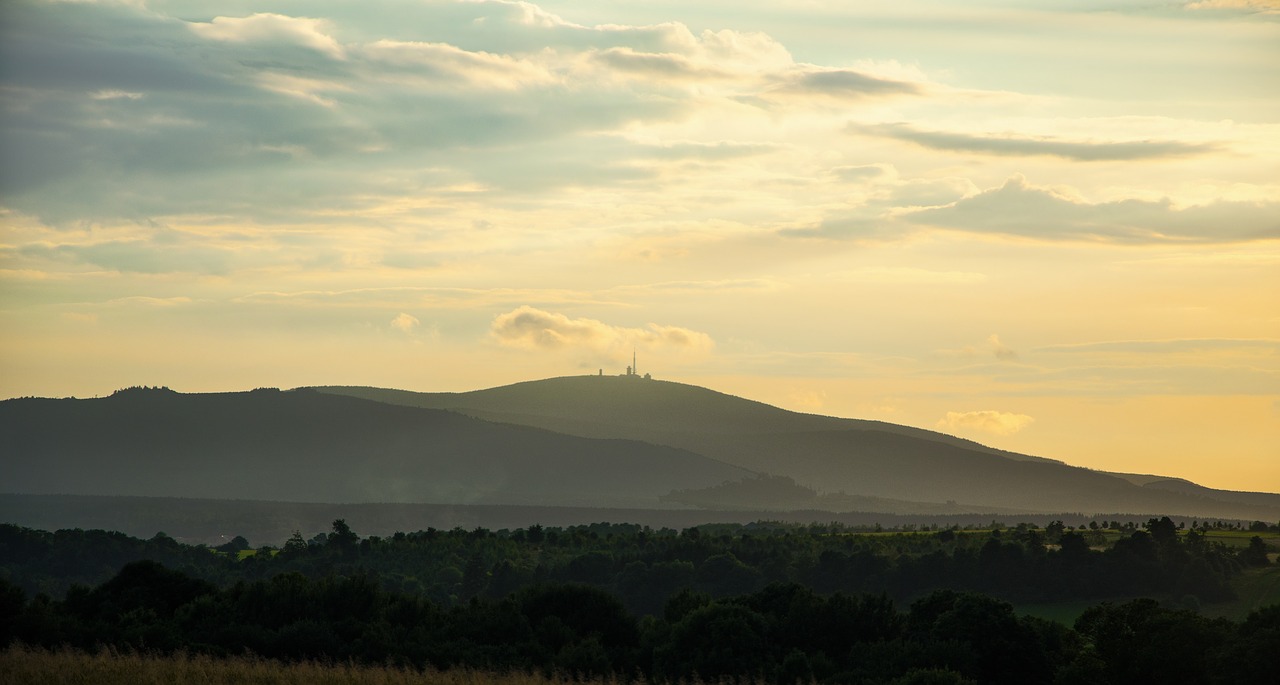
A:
{"points": [[1052, 227]]}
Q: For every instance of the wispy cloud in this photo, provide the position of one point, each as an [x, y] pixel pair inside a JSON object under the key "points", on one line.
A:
{"points": [[906, 275], [843, 83], [1019, 208], [1013, 145], [138, 256], [1263, 6], [1175, 345]]}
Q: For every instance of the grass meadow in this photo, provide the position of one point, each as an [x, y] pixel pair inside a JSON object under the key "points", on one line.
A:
{"points": [[20, 665]]}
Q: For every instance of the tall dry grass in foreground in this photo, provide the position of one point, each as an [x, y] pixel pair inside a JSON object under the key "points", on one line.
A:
{"points": [[28, 666]]}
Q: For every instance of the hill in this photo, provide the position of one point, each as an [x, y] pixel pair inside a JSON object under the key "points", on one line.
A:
{"points": [[832, 455], [307, 446]]}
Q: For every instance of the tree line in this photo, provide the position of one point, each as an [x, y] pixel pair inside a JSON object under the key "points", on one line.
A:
{"points": [[644, 567], [783, 633], [780, 603]]}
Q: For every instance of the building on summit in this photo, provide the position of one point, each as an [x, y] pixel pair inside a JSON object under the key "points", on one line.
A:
{"points": [[633, 370]]}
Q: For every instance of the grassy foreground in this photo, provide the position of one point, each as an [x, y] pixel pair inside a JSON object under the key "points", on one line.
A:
{"points": [[28, 666]]}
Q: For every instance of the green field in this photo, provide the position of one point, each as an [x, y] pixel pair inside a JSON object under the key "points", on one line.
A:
{"points": [[1241, 538], [1065, 613], [1255, 588]]}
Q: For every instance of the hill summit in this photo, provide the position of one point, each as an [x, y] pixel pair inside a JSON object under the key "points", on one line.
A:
{"points": [[883, 464]]}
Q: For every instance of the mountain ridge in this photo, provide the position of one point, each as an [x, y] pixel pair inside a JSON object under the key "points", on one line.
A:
{"points": [[306, 446], [817, 451], [594, 441]]}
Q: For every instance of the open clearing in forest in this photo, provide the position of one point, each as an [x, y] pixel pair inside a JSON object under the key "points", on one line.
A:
{"points": [[1255, 588], [1241, 538]]}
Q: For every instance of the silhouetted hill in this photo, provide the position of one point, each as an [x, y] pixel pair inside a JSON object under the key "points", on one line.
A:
{"points": [[315, 447], [832, 455], [587, 441], [636, 408]]}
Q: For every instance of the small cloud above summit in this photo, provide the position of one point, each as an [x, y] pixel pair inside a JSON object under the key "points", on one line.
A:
{"points": [[1002, 352], [532, 328], [987, 421], [405, 322]]}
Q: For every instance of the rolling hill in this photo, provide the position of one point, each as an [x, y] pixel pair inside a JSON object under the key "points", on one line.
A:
{"points": [[590, 441], [306, 446], [832, 455]]}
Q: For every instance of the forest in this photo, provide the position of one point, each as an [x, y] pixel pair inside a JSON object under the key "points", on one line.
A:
{"points": [[763, 602]]}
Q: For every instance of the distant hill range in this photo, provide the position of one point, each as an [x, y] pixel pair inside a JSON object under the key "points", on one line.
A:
{"points": [[590, 441]]}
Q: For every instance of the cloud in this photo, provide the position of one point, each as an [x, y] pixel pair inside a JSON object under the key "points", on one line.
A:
{"points": [[1263, 6], [660, 65], [138, 256], [866, 225], [905, 275], [876, 214], [808, 400], [284, 120], [421, 63], [1002, 352], [993, 345], [272, 28], [843, 83], [1170, 346], [535, 329], [1021, 209], [113, 94], [993, 422], [757, 285], [863, 172], [1085, 151], [405, 322]]}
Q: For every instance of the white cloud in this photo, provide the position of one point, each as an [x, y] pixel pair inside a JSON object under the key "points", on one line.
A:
{"points": [[535, 329], [115, 94], [405, 322], [1266, 6], [1014, 145], [419, 62], [272, 28], [993, 422], [1019, 208]]}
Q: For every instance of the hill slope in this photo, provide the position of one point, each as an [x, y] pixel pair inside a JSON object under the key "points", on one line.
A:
{"points": [[830, 454], [314, 447], [635, 408]]}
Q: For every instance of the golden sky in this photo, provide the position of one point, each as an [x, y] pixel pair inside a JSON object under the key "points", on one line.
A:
{"points": [[1053, 227]]}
